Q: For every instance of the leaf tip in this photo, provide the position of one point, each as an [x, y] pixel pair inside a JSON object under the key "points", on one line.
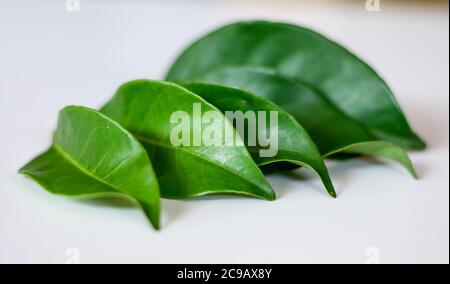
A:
{"points": [[157, 226], [413, 172], [272, 196], [418, 144], [330, 188], [268, 194], [153, 214]]}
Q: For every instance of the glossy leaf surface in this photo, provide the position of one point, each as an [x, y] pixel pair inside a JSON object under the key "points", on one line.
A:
{"points": [[293, 143], [331, 130], [93, 155], [303, 56], [145, 108]]}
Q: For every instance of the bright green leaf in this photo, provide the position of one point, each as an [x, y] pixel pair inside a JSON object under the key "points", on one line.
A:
{"points": [[92, 155], [293, 143], [146, 109]]}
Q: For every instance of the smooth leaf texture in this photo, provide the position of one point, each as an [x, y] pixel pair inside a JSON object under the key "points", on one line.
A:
{"points": [[385, 150], [93, 155], [294, 144], [145, 108], [303, 56], [331, 130]]}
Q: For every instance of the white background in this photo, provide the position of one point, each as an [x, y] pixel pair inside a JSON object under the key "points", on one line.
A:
{"points": [[50, 58]]}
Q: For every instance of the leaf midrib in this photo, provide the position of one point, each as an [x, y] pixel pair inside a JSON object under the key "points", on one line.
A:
{"points": [[150, 141], [73, 162]]}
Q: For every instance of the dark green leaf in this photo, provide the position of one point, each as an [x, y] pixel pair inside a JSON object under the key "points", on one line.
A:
{"points": [[145, 108], [328, 126], [93, 155], [331, 130], [303, 56], [294, 144]]}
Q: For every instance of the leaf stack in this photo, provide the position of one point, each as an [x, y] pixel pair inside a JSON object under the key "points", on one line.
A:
{"points": [[329, 103]]}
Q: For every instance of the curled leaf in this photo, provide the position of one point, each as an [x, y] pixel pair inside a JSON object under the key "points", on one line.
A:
{"points": [[332, 130], [92, 155], [151, 109], [293, 143]]}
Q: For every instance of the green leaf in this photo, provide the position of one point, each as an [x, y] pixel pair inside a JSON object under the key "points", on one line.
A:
{"points": [[294, 144], [382, 149], [146, 108], [303, 56], [332, 130], [92, 155]]}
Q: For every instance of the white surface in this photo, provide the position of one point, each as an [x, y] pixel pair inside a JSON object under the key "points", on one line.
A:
{"points": [[50, 58]]}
